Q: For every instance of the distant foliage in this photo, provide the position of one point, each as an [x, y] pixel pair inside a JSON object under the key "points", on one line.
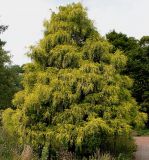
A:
{"points": [[9, 76], [137, 67], [74, 93]]}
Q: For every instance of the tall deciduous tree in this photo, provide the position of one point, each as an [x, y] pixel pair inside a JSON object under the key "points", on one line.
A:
{"points": [[74, 94]]}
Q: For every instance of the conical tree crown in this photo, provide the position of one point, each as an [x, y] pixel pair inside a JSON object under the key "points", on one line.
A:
{"points": [[73, 90], [65, 35]]}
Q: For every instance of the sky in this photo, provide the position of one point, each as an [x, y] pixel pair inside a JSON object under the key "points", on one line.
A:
{"points": [[25, 20]]}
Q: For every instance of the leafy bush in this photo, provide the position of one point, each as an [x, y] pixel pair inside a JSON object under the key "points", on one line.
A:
{"points": [[143, 132], [123, 145]]}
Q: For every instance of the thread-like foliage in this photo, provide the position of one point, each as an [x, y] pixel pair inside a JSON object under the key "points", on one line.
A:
{"points": [[74, 93]]}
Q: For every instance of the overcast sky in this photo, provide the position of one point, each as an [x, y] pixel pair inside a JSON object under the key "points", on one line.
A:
{"points": [[25, 19]]}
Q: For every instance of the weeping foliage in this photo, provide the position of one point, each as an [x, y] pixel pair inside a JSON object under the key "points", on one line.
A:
{"points": [[74, 93]]}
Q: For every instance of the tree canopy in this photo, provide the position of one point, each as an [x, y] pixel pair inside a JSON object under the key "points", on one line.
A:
{"points": [[137, 67], [9, 76], [74, 93]]}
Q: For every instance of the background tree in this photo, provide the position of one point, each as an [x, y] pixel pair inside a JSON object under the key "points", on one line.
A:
{"points": [[9, 76], [137, 67], [122, 42], [74, 95]]}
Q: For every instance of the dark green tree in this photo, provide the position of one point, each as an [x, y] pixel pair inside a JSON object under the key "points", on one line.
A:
{"points": [[122, 42], [4, 59], [9, 76], [137, 67], [74, 94]]}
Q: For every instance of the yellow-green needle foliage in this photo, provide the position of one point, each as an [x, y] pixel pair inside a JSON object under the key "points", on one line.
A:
{"points": [[74, 93]]}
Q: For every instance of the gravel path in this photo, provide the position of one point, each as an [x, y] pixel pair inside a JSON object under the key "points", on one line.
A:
{"points": [[142, 148]]}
